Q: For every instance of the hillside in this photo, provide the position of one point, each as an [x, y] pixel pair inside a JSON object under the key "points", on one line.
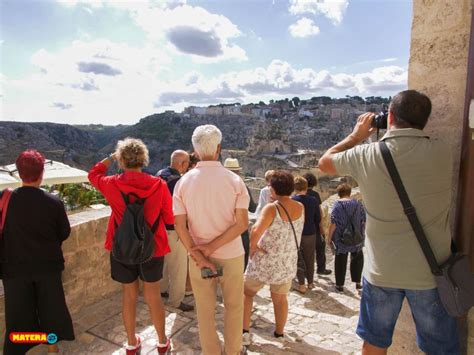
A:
{"points": [[262, 141]]}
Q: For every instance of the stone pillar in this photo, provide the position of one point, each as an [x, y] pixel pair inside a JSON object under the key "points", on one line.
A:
{"points": [[470, 336], [438, 67]]}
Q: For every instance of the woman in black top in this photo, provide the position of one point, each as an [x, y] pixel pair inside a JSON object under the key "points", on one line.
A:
{"points": [[36, 224], [320, 239], [312, 221]]}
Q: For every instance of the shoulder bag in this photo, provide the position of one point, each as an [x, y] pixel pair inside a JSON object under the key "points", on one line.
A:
{"points": [[301, 264], [453, 277]]}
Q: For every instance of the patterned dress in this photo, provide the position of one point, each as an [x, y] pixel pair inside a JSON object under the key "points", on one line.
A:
{"points": [[279, 264]]}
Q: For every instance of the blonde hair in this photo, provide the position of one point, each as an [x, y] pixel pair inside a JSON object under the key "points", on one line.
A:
{"points": [[132, 153], [301, 184], [268, 175]]}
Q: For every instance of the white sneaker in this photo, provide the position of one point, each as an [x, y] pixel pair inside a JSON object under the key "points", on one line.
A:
{"points": [[246, 339]]}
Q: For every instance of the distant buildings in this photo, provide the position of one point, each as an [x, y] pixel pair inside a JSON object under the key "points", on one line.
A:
{"points": [[320, 107]]}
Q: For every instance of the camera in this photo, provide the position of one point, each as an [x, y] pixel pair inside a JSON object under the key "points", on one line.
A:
{"points": [[380, 120]]}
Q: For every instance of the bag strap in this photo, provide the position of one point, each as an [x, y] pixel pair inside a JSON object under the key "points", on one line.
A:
{"points": [[4, 201], [277, 203], [408, 209], [155, 225]]}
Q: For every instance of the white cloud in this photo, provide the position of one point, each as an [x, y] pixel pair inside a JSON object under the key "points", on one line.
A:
{"points": [[87, 94], [279, 79], [333, 9], [192, 30], [304, 27]]}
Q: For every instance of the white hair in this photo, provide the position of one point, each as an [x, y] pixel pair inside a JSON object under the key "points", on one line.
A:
{"points": [[205, 140]]}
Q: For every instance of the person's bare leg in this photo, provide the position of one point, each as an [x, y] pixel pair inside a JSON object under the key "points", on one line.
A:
{"points": [[151, 292], [369, 349], [129, 310], [248, 304], [280, 307], [53, 349]]}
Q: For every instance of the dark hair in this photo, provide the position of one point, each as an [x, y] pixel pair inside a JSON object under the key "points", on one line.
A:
{"points": [[344, 190], [300, 184], [410, 109], [193, 160], [30, 165], [311, 179], [282, 182]]}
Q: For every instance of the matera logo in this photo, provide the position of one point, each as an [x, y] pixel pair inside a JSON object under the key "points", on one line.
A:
{"points": [[31, 337]]}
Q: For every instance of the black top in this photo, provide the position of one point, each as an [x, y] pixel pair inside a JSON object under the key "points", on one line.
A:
{"points": [[312, 214], [314, 194], [252, 204], [171, 176], [36, 224]]}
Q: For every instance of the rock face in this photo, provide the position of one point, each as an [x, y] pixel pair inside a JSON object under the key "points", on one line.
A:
{"points": [[261, 143]]}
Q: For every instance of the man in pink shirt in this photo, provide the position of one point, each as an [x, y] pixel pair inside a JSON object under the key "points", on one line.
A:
{"points": [[210, 204]]}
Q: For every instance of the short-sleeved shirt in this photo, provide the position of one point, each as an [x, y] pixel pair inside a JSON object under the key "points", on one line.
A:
{"points": [[392, 255], [209, 195]]}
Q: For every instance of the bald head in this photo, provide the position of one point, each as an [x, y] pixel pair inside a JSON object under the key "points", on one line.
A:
{"points": [[180, 161]]}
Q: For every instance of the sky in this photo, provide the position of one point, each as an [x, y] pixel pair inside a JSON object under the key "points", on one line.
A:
{"points": [[114, 62]]}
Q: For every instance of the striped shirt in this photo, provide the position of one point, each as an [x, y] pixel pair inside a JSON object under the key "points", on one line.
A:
{"points": [[340, 216]]}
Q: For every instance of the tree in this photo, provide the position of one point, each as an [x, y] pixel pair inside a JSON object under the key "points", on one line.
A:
{"points": [[261, 103], [296, 101]]}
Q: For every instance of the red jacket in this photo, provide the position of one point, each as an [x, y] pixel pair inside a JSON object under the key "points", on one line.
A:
{"points": [[154, 189]]}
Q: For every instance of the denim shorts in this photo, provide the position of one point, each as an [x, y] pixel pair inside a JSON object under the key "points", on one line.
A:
{"points": [[436, 330]]}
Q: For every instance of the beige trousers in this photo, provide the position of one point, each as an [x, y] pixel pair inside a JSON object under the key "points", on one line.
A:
{"points": [[232, 285], [175, 270]]}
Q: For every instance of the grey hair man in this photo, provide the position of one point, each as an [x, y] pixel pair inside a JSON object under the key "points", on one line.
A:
{"points": [[210, 207], [173, 283], [395, 267]]}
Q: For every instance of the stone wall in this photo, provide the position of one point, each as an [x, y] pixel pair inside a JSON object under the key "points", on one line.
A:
{"points": [[438, 67], [86, 277]]}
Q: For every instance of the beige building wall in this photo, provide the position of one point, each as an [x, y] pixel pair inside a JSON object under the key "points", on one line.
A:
{"points": [[438, 67]]}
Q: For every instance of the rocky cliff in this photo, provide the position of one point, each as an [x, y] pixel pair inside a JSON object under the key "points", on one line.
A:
{"points": [[261, 143]]}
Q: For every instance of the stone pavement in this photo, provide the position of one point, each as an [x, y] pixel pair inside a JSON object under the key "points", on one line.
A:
{"points": [[319, 322]]}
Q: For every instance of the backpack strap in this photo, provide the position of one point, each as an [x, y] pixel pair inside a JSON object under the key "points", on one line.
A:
{"points": [[154, 227]]}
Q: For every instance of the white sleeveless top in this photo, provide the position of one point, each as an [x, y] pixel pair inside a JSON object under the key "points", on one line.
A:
{"points": [[279, 264]]}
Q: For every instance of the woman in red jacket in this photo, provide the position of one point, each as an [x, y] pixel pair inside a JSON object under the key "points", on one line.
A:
{"points": [[132, 155]]}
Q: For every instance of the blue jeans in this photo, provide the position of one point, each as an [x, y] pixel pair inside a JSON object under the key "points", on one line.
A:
{"points": [[436, 330]]}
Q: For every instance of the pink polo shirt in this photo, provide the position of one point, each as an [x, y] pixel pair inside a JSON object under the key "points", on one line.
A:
{"points": [[209, 195]]}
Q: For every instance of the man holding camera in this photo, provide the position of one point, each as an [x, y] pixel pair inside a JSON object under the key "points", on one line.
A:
{"points": [[395, 266], [213, 201]]}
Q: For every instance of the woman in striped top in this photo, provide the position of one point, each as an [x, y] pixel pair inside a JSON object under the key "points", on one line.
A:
{"points": [[341, 214]]}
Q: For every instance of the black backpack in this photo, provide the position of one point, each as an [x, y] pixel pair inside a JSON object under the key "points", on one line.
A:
{"points": [[133, 239], [351, 236]]}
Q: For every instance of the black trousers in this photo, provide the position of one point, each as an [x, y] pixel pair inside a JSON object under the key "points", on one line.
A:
{"points": [[307, 249], [35, 303], [340, 266], [320, 252]]}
